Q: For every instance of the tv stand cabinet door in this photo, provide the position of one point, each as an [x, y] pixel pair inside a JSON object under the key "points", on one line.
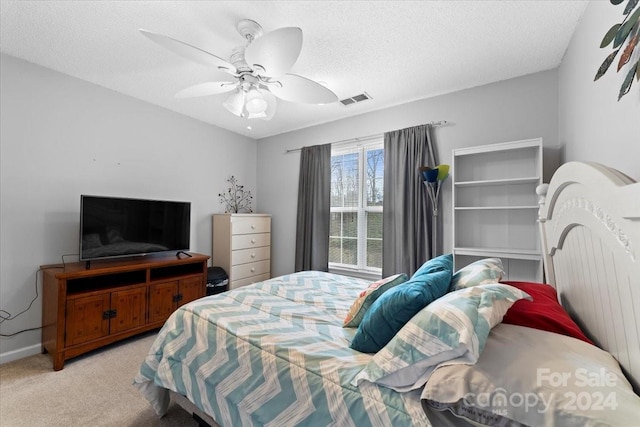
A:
{"points": [[129, 309], [191, 289], [162, 300], [86, 319]]}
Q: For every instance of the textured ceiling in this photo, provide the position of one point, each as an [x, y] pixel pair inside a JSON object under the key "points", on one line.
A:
{"points": [[396, 51]]}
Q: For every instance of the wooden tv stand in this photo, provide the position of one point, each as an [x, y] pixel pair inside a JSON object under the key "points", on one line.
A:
{"points": [[86, 308]]}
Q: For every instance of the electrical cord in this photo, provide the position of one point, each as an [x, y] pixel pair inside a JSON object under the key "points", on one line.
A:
{"points": [[64, 264], [5, 315], [19, 332]]}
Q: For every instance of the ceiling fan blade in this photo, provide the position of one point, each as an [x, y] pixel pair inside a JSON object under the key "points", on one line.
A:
{"points": [[275, 53], [190, 52], [302, 90], [206, 89]]}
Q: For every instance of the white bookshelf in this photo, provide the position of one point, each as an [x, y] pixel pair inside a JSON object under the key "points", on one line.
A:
{"points": [[495, 206]]}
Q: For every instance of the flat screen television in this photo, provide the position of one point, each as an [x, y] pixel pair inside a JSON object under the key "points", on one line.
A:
{"points": [[112, 227]]}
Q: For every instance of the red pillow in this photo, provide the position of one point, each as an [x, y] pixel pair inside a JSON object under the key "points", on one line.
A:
{"points": [[544, 312]]}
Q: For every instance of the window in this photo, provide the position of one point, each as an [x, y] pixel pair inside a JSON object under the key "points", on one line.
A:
{"points": [[355, 236]]}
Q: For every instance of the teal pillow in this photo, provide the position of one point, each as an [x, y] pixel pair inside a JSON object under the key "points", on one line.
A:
{"points": [[388, 314]]}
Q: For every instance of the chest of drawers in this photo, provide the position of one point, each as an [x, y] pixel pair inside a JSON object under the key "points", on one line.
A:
{"points": [[242, 247]]}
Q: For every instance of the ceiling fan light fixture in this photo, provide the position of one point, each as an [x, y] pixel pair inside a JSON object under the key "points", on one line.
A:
{"points": [[235, 102], [255, 105], [257, 115]]}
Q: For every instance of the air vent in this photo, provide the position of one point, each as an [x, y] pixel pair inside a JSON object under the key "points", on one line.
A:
{"points": [[355, 99]]}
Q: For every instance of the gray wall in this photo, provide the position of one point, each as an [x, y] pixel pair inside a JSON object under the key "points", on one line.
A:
{"points": [[62, 137], [593, 125], [521, 108]]}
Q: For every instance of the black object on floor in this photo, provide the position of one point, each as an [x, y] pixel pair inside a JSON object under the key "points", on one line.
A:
{"points": [[217, 280]]}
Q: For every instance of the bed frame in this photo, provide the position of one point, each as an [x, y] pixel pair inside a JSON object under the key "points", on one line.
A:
{"points": [[590, 226], [590, 221]]}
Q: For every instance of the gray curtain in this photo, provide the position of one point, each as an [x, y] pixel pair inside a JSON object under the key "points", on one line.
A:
{"points": [[406, 221], [314, 190]]}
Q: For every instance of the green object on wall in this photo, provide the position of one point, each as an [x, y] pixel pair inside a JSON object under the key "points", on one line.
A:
{"points": [[628, 29]]}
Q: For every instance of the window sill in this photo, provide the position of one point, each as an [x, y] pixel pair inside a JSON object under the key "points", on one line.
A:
{"points": [[368, 275]]}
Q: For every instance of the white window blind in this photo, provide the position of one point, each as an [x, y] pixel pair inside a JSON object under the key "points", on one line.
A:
{"points": [[355, 237]]}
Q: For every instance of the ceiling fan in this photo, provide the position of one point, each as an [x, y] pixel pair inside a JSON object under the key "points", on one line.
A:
{"points": [[256, 72]]}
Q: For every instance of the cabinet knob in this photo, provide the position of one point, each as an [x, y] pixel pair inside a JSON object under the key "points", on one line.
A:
{"points": [[253, 269], [253, 255], [253, 240], [253, 226]]}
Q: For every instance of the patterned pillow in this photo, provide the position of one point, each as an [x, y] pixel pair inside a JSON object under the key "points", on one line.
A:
{"points": [[394, 308], [452, 329], [368, 296], [488, 270]]}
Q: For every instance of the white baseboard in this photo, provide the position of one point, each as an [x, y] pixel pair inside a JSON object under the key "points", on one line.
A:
{"points": [[20, 353]]}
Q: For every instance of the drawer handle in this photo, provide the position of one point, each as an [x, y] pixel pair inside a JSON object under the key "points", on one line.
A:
{"points": [[253, 226], [253, 269], [253, 240], [253, 255]]}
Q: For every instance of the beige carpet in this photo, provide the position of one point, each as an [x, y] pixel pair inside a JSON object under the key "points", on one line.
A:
{"points": [[92, 390]]}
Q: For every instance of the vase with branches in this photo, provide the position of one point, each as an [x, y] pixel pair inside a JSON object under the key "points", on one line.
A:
{"points": [[236, 199]]}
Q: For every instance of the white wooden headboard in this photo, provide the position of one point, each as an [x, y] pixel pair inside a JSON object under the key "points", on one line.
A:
{"points": [[590, 223]]}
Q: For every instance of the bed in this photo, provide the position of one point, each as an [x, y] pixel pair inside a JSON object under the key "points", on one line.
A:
{"points": [[276, 352]]}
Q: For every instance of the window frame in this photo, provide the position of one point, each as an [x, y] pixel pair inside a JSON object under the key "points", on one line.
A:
{"points": [[361, 269]]}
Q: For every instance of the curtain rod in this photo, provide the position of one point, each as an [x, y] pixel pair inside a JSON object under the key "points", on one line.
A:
{"points": [[364, 138]]}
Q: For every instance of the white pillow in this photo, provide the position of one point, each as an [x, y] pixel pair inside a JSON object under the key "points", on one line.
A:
{"points": [[452, 329], [483, 271], [531, 377]]}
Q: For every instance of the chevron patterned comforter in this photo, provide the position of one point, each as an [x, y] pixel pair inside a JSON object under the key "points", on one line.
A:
{"points": [[273, 354]]}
